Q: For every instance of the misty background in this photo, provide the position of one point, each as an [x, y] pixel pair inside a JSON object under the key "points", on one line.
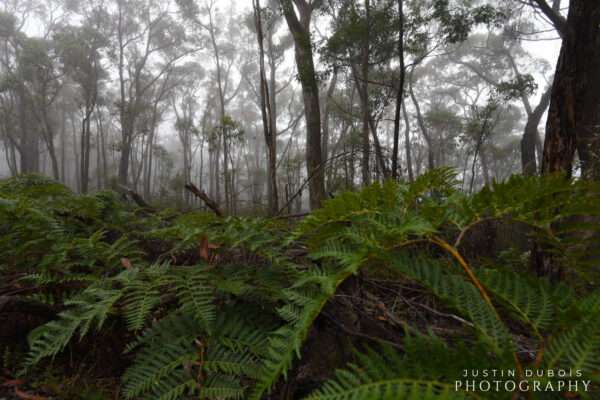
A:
{"points": [[151, 95]]}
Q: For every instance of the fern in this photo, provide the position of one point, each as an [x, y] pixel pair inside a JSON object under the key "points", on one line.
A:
{"points": [[89, 310], [139, 301], [377, 377], [196, 297], [532, 303], [304, 304], [577, 347], [461, 295], [158, 366], [232, 326]]}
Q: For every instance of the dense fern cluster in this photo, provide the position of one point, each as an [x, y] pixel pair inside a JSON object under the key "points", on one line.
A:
{"points": [[224, 308]]}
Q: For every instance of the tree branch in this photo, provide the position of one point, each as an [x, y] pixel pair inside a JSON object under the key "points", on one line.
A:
{"points": [[210, 203], [559, 22]]}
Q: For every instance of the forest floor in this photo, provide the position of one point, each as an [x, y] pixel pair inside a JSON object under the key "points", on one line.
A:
{"points": [[409, 283]]}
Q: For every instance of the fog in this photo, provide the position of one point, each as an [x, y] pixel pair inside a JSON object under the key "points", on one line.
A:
{"points": [[149, 96]]}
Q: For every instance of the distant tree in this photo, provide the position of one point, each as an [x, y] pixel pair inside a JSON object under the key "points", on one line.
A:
{"points": [[79, 50], [146, 43], [299, 25], [269, 116], [184, 105], [496, 59]]}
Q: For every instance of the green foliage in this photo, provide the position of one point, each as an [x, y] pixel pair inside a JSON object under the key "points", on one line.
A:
{"points": [[223, 307], [376, 376]]}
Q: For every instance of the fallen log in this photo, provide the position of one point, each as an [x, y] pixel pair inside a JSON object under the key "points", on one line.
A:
{"points": [[210, 203], [139, 200]]}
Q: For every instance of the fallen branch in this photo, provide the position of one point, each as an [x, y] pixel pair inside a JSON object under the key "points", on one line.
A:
{"points": [[139, 200], [210, 203], [291, 216]]}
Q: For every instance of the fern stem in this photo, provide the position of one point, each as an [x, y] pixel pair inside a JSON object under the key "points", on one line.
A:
{"points": [[463, 263]]}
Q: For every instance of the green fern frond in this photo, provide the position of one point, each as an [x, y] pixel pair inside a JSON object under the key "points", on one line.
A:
{"points": [[285, 343], [173, 326], [378, 375], [196, 296], [460, 294], [223, 387], [578, 347], [156, 366], [139, 301], [90, 309], [532, 303], [350, 387]]}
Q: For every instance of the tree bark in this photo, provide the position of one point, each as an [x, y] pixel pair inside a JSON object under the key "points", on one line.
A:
{"points": [[266, 110], [399, 93], [574, 114], [363, 90], [409, 166], [421, 123], [300, 29], [530, 136]]}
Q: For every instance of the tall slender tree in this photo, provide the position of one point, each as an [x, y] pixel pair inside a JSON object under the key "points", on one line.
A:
{"points": [[299, 25]]}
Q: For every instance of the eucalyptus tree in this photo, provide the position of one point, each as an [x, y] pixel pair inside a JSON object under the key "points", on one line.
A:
{"points": [[574, 117], [19, 141], [184, 103], [79, 49], [269, 116], [501, 61], [364, 41], [146, 42], [208, 22], [298, 15]]}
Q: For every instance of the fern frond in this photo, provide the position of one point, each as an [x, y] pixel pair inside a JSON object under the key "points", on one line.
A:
{"points": [[285, 343], [460, 294], [350, 387], [532, 303], [196, 297], [223, 387], [90, 309], [378, 376], [578, 347], [139, 301], [156, 366]]}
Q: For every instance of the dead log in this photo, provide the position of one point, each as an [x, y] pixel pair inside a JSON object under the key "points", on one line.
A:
{"points": [[139, 200], [210, 203]]}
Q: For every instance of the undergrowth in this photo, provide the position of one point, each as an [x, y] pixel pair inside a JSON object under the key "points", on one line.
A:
{"points": [[227, 308]]}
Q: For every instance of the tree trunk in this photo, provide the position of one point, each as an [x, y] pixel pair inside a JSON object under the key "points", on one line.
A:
{"points": [[268, 117], [574, 114], [29, 142], [399, 93], [300, 30], [85, 149], [409, 166], [421, 123], [326, 112], [530, 136]]}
